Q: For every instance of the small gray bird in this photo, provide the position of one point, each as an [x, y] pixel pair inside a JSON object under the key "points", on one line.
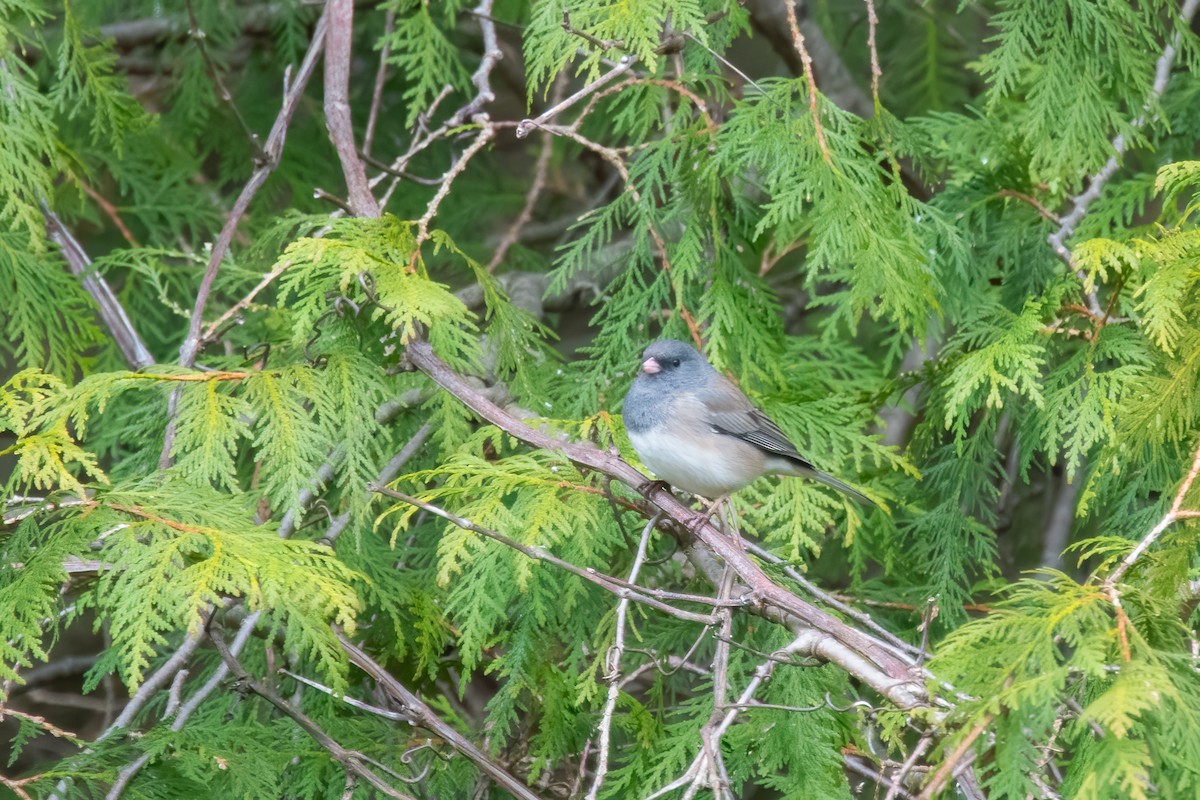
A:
{"points": [[698, 432]]}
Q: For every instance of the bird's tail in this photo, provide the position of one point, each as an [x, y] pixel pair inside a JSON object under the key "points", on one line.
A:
{"points": [[829, 480]]}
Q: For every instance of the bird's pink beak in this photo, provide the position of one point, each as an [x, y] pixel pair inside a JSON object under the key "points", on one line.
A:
{"points": [[650, 366]]}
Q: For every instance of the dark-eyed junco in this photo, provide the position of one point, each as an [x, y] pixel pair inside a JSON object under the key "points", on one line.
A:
{"points": [[698, 432]]}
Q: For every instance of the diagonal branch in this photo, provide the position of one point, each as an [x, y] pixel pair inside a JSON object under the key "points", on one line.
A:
{"points": [[351, 760], [422, 715], [137, 355], [860, 654]]}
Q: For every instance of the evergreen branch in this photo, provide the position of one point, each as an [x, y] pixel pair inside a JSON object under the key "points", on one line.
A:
{"points": [[615, 585], [340, 14], [612, 664], [482, 76], [806, 60], [422, 715], [190, 377], [1080, 202], [136, 354], [867, 658], [1173, 515], [389, 25], [351, 760]]}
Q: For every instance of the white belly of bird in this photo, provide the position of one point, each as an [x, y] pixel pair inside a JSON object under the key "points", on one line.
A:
{"points": [[695, 465]]}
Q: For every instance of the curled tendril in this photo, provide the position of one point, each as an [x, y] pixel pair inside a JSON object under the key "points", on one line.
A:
{"points": [[253, 353]]}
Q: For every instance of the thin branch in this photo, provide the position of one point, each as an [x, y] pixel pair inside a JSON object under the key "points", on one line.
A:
{"points": [[876, 72], [110, 211], [422, 715], [806, 60], [351, 760], [136, 354], [337, 107], [641, 595], [871, 660], [1175, 513], [1036, 204], [394, 716], [485, 135], [948, 767], [220, 321], [624, 65], [612, 664], [389, 25], [858, 765], [184, 711], [201, 39], [531, 197], [1080, 202], [482, 76], [273, 150], [897, 777]]}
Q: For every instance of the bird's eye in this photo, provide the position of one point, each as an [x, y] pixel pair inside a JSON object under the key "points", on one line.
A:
{"points": [[674, 362]]}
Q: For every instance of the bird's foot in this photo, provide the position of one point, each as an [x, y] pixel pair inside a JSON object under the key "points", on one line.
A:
{"points": [[651, 485]]}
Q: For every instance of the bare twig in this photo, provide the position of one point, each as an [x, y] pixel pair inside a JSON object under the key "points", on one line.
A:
{"points": [[201, 39], [947, 768], [389, 25], [612, 665], [136, 354], [1036, 204], [409, 703], [1080, 202], [337, 107], [531, 197], [624, 65], [1175, 513], [273, 150], [481, 140], [899, 775], [220, 321], [615, 585], [110, 211], [482, 76], [351, 760], [806, 60], [876, 72]]}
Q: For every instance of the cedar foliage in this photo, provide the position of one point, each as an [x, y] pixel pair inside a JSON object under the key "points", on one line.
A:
{"points": [[877, 271]]}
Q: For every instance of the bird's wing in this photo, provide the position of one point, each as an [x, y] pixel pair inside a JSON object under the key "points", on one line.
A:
{"points": [[730, 412]]}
